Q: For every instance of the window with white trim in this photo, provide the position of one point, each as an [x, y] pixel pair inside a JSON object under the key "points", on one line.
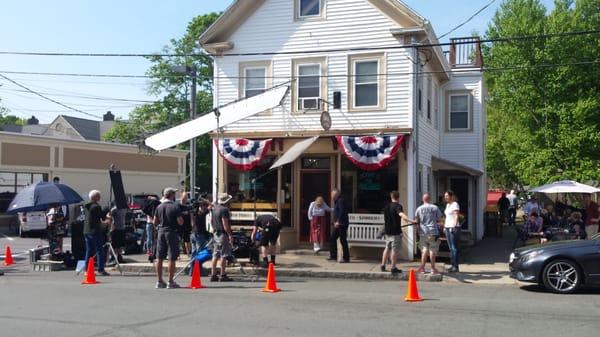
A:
{"points": [[436, 105], [459, 112], [309, 8], [429, 90], [420, 93], [255, 81], [309, 86], [366, 84]]}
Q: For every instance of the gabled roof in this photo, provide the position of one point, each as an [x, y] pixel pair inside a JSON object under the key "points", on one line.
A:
{"points": [[88, 129], [240, 10]]}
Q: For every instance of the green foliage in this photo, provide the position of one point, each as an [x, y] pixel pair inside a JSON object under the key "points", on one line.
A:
{"points": [[173, 107], [7, 119], [544, 122]]}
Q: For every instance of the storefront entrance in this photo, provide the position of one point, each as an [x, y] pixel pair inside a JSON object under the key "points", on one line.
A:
{"points": [[315, 180]]}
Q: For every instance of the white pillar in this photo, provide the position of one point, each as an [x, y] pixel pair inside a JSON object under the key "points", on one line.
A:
{"points": [[215, 173], [409, 240]]}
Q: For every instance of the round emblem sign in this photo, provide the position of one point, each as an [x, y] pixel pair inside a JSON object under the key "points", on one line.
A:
{"points": [[326, 120]]}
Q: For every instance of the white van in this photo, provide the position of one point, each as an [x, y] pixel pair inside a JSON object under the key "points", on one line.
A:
{"points": [[31, 221]]}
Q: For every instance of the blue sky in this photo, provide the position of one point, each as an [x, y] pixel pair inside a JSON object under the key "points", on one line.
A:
{"points": [[131, 26]]}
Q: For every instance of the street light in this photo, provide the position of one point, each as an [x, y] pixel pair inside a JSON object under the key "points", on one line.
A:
{"points": [[191, 72]]}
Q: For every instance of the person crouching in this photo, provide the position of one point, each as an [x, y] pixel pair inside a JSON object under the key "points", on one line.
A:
{"points": [[270, 228]]}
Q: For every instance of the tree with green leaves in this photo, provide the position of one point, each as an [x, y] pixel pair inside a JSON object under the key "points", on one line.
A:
{"points": [[544, 118], [174, 107]]}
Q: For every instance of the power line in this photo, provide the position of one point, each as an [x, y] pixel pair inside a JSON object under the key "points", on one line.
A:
{"points": [[87, 97], [492, 40], [467, 20], [47, 98]]}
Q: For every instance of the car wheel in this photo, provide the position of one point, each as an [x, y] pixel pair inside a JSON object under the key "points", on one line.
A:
{"points": [[562, 276]]}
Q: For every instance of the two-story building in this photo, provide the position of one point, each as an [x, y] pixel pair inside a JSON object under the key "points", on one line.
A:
{"points": [[378, 71]]}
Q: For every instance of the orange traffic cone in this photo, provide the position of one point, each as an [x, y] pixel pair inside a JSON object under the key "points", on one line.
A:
{"points": [[271, 286], [412, 293], [90, 276], [196, 282], [8, 259]]}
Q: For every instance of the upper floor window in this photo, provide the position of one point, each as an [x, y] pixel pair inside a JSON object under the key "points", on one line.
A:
{"points": [[310, 86], [367, 86], [255, 81], [429, 93], [436, 105], [459, 111], [255, 78], [308, 8]]}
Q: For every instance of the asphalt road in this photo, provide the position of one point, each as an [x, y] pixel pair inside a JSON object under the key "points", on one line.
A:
{"points": [[56, 304]]}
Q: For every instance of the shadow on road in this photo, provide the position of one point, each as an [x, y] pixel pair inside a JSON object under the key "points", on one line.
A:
{"points": [[535, 288]]}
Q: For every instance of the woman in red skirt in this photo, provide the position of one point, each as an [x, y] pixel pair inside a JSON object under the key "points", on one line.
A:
{"points": [[317, 214]]}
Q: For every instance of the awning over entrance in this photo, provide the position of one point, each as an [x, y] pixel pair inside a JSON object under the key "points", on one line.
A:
{"points": [[229, 113], [294, 152], [439, 164]]}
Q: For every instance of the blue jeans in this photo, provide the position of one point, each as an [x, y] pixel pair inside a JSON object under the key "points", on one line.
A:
{"points": [[149, 236], [452, 236], [94, 245], [198, 242]]}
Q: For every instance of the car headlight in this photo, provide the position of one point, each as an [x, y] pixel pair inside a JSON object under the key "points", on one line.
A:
{"points": [[531, 255], [511, 258]]}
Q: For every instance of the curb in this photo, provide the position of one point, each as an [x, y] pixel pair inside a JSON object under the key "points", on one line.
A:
{"points": [[355, 275]]}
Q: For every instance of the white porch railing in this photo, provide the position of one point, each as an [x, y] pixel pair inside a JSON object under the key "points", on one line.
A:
{"points": [[364, 229]]}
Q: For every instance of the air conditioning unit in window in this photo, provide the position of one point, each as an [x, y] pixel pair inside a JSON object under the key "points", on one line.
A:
{"points": [[309, 104]]}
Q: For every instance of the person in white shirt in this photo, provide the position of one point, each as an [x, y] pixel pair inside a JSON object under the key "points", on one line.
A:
{"points": [[452, 228], [512, 209], [317, 212]]}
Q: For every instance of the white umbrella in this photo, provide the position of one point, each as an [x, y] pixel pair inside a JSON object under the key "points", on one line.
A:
{"points": [[565, 186]]}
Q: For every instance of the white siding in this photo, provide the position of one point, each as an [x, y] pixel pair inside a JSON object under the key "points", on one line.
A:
{"points": [[349, 24], [465, 148]]}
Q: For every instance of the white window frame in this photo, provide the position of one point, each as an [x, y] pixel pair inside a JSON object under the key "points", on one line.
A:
{"points": [[469, 111], [245, 79], [243, 66], [429, 107], [352, 81], [298, 11], [321, 62]]}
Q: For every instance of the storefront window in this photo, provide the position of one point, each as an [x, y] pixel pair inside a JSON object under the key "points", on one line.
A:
{"points": [[368, 192]]}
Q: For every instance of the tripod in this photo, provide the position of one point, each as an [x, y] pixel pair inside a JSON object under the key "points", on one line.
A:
{"points": [[114, 255]]}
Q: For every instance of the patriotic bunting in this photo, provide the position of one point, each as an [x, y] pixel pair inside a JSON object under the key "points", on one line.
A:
{"points": [[243, 154], [370, 153]]}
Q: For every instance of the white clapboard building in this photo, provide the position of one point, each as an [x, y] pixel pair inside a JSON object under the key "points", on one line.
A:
{"points": [[384, 104]]}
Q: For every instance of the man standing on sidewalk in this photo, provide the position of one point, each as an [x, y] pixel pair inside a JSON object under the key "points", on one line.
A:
{"points": [[503, 207], [340, 228], [93, 231], [221, 225], [167, 219], [393, 215], [512, 209], [428, 217]]}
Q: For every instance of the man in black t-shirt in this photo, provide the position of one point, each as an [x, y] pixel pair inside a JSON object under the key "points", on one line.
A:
{"points": [[168, 219], [392, 230], [93, 231], [269, 227]]}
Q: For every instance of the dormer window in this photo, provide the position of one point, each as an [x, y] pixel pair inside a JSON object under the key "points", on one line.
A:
{"points": [[309, 9]]}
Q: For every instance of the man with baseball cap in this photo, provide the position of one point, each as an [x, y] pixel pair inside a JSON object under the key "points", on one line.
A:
{"points": [[221, 224], [167, 218]]}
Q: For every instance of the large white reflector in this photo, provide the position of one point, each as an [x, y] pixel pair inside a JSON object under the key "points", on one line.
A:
{"points": [[230, 113], [294, 152]]}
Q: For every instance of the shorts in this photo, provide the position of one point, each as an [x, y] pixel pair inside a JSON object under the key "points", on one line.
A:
{"points": [[221, 245], [167, 244], [117, 238], [430, 243], [393, 242], [269, 236]]}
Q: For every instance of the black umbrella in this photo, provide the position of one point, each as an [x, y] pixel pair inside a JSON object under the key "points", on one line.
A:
{"points": [[39, 197]]}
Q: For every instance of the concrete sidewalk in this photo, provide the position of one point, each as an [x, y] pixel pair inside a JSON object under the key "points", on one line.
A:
{"points": [[299, 264]]}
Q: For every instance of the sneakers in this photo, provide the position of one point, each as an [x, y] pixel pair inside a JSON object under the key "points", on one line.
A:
{"points": [[345, 261], [453, 270], [396, 271], [382, 268], [225, 278], [161, 285], [331, 259], [103, 273], [420, 270], [173, 285], [214, 278]]}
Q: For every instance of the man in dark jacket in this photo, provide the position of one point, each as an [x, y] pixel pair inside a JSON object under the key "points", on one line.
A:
{"points": [[503, 206], [340, 228], [93, 231]]}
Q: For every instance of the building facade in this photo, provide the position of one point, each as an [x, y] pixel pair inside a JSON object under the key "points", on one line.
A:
{"points": [[378, 70]]}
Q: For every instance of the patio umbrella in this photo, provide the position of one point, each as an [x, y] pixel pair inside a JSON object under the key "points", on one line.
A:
{"points": [[565, 186], [39, 197]]}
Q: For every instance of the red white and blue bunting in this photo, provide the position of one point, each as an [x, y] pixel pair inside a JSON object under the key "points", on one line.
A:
{"points": [[371, 153], [243, 154]]}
